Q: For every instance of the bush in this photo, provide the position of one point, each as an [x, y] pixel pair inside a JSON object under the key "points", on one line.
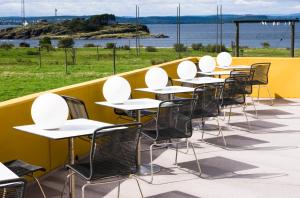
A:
{"points": [[197, 46], [32, 53], [265, 45], [66, 42], [180, 48], [151, 49], [126, 47], [89, 45], [6, 46], [110, 45], [23, 44], [214, 48], [46, 43], [157, 62]]}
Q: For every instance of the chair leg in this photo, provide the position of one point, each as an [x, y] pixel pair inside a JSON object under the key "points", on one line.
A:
{"points": [[187, 146], [151, 162], [40, 186], [221, 131], [119, 189], [229, 114], [272, 100], [65, 184], [244, 110], [198, 164], [176, 156], [83, 190], [258, 92], [254, 106], [140, 189]]}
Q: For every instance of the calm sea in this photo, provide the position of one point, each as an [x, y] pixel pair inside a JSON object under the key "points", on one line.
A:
{"points": [[252, 35]]}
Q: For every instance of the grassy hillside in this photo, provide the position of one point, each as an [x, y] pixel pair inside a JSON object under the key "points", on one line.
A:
{"points": [[20, 73]]}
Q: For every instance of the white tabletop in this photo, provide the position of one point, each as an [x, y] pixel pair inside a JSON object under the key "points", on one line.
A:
{"points": [[168, 90], [202, 80], [235, 67], [6, 174], [134, 104], [215, 73], [72, 128]]}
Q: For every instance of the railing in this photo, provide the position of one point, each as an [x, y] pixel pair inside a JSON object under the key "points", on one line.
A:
{"points": [[284, 82]]}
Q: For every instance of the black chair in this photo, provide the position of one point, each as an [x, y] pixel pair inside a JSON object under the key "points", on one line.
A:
{"points": [[247, 74], [207, 106], [113, 155], [233, 93], [22, 169], [173, 122], [77, 108], [261, 77], [14, 188]]}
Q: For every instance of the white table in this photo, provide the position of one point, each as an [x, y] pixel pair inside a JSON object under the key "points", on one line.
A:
{"points": [[235, 67], [170, 90], [216, 73], [201, 80], [6, 174], [71, 130], [137, 105]]}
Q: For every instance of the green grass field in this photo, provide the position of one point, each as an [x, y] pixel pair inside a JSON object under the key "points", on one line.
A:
{"points": [[20, 73]]}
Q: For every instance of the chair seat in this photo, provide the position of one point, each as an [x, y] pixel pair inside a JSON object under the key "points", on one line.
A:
{"points": [[22, 168], [164, 134], [232, 101], [103, 169], [257, 82], [204, 114]]}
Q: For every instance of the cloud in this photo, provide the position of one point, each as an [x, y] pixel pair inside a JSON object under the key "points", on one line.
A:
{"points": [[148, 7]]}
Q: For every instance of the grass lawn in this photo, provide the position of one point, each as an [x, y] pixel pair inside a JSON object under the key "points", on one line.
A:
{"points": [[20, 73]]}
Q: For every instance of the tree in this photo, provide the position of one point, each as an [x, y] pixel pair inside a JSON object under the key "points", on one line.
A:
{"points": [[45, 43], [66, 42], [265, 45]]}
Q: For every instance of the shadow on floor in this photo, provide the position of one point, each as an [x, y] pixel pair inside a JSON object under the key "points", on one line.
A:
{"points": [[269, 112], [235, 141], [173, 194], [257, 125]]}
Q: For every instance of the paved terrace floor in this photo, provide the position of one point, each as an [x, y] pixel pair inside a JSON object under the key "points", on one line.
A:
{"points": [[264, 163]]}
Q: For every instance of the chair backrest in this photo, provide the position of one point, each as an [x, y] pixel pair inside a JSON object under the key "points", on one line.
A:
{"points": [[77, 108], [115, 148], [13, 188], [233, 91], [245, 77], [164, 97], [206, 101], [261, 73], [174, 119]]}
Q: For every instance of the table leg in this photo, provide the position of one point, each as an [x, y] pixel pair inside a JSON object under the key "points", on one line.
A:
{"points": [[72, 187], [143, 169]]}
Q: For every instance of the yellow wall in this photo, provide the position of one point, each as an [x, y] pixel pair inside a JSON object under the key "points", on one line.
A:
{"points": [[284, 81]]}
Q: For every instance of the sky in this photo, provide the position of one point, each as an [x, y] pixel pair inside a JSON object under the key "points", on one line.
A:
{"points": [[147, 7]]}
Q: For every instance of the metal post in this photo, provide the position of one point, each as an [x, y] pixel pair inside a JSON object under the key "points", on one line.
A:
{"points": [[237, 40], [40, 57], [293, 39], [221, 28], [139, 38], [114, 59], [217, 22], [66, 60], [136, 32], [98, 56], [179, 30]]}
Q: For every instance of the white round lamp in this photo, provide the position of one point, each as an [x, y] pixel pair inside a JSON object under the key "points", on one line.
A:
{"points": [[207, 64], [49, 111], [224, 59], [116, 90], [156, 78], [187, 70]]}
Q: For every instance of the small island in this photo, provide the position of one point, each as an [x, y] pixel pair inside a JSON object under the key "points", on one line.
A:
{"points": [[95, 27]]}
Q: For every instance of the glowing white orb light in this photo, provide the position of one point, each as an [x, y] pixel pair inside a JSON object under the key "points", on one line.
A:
{"points": [[207, 64], [49, 111], [187, 70], [224, 59], [156, 78], [116, 90]]}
